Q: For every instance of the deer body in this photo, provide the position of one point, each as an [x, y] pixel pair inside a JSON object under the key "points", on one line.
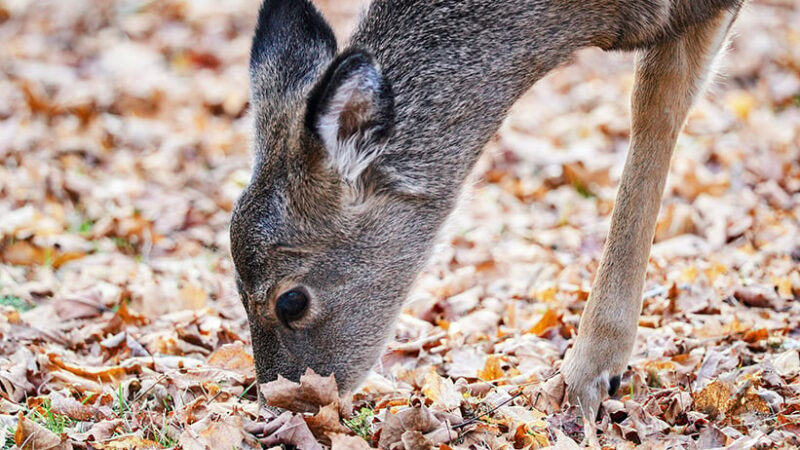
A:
{"points": [[361, 156]]}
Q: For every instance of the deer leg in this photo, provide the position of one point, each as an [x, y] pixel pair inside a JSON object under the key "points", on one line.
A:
{"points": [[668, 78]]}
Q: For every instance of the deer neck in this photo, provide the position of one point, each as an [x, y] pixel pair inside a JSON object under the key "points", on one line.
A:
{"points": [[456, 70]]}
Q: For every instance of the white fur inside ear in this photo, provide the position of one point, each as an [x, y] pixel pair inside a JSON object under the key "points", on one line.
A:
{"points": [[354, 102]]}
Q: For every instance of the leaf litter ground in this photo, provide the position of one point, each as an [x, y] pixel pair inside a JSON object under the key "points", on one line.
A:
{"points": [[124, 143]]}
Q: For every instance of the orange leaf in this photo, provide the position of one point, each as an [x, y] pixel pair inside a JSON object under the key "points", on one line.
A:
{"points": [[128, 316], [549, 320], [491, 370], [715, 399], [755, 335], [232, 357], [110, 373], [30, 435], [127, 442], [23, 253]]}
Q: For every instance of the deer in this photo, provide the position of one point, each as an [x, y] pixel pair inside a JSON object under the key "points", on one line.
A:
{"points": [[361, 152]]}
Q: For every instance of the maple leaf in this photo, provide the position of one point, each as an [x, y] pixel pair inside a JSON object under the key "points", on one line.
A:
{"points": [[308, 396]]}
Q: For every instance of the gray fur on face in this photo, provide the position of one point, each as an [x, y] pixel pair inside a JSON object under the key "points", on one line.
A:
{"points": [[419, 90]]}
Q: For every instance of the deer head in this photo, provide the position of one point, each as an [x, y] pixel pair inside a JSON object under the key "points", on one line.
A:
{"points": [[327, 238]]}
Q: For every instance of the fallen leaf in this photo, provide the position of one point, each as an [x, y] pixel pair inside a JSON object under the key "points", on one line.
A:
{"points": [[308, 396], [345, 442], [232, 357], [491, 370], [30, 435], [414, 440], [754, 336], [194, 297], [788, 363], [757, 296], [291, 429], [210, 434], [102, 431], [418, 419], [549, 320], [564, 442], [548, 396], [110, 373], [326, 421], [69, 407], [126, 442], [23, 253], [441, 391]]}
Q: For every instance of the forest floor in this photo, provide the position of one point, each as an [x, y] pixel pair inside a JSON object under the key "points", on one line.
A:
{"points": [[124, 143]]}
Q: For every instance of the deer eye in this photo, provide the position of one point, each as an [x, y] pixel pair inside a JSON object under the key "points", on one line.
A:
{"points": [[291, 306]]}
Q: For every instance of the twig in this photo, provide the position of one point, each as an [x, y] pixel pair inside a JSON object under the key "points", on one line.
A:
{"points": [[156, 382], [476, 418]]}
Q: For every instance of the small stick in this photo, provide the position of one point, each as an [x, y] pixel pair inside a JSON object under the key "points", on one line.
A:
{"points": [[476, 418]]}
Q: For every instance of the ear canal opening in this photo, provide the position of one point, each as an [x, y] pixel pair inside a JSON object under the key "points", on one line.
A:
{"points": [[351, 112], [342, 67]]}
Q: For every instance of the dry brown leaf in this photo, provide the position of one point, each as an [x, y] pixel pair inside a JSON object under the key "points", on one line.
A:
{"points": [[491, 370], [211, 434], [68, 309], [111, 373], [757, 296], [711, 437], [23, 253], [748, 401], [308, 396], [326, 421], [754, 336], [69, 407], [548, 396], [14, 381], [788, 363], [127, 316], [126, 442], [564, 442], [123, 151], [194, 297], [467, 361], [30, 435], [417, 418], [522, 437], [104, 430], [715, 400], [549, 320], [232, 357], [441, 391], [289, 428], [345, 442], [413, 440]]}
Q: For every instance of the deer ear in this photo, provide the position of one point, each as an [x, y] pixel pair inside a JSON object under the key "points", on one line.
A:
{"points": [[351, 111], [291, 46]]}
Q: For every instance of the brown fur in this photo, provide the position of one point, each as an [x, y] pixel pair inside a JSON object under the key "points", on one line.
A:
{"points": [[361, 155]]}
